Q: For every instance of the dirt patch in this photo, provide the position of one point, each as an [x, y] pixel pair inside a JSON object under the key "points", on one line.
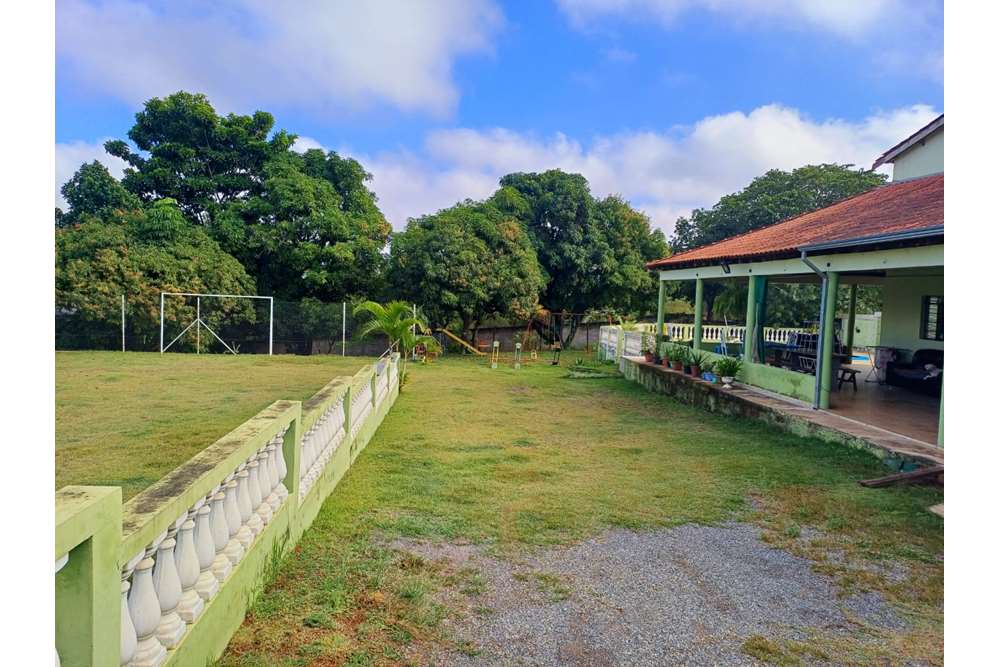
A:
{"points": [[689, 595]]}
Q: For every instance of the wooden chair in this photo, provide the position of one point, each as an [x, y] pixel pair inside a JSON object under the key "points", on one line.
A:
{"points": [[847, 374]]}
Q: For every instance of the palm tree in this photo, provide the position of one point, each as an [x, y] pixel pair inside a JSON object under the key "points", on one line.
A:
{"points": [[395, 320]]}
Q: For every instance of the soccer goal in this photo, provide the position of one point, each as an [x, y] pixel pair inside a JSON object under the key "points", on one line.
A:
{"points": [[212, 312]]}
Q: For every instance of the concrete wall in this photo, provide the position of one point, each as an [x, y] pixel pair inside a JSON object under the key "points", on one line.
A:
{"points": [[902, 294], [924, 158]]}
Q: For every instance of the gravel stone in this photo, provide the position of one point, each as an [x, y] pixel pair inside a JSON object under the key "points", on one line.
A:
{"points": [[688, 595]]}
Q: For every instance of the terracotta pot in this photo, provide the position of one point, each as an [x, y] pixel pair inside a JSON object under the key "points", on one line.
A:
{"points": [[648, 356], [696, 371], [665, 362], [678, 366]]}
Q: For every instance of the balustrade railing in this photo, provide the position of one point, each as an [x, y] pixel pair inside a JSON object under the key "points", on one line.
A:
{"points": [[631, 341], [184, 539]]}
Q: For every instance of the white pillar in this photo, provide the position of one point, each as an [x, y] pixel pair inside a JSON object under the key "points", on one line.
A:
{"points": [[128, 638], [234, 548], [256, 522], [221, 566], [168, 591], [264, 488], [207, 585], [145, 611], [188, 570], [245, 534]]}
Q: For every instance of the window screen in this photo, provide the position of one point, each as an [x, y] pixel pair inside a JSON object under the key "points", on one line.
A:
{"points": [[932, 318]]}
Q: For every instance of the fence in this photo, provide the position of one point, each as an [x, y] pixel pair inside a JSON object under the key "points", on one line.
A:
{"points": [[166, 578], [131, 322], [613, 338]]}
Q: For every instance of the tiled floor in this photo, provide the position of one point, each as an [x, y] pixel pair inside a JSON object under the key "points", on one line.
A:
{"points": [[892, 408]]}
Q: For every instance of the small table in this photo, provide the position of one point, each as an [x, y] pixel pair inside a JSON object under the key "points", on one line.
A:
{"points": [[847, 374]]}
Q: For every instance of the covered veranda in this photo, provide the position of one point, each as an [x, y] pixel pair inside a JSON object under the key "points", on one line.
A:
{"points": [[808, 367]]}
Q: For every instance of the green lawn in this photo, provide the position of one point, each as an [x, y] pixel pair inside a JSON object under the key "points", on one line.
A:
{"points": [[126, 419], [517, 459]]}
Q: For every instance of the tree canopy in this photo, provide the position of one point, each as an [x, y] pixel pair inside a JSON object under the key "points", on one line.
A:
{"points": [[466, 263], [140, 253], [93, 191], [302, 225], [593, 252]]}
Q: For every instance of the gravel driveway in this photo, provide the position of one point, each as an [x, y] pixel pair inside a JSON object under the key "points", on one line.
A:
{"points": [[689, 595]]}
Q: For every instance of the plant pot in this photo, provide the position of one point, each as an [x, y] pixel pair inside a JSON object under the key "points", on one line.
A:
{"points": [[678, 366], [696, 371], [665, 362], [648, 356], [727, 382]]}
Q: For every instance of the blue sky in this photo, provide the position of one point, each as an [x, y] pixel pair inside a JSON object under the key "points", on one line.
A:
{"points": [[671, 103]]}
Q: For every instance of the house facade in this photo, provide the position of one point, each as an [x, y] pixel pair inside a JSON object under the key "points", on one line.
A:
{"points": [[892, 236]]}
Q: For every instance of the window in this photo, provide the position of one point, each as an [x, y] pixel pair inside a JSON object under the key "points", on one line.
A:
{"points": [[932, 318]]}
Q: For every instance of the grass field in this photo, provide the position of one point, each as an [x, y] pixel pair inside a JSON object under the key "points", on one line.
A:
{"points": [[516, 460], [126, 419]]}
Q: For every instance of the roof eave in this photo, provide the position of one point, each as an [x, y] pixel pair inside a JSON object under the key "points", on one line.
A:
{"points": [[908, 143]]}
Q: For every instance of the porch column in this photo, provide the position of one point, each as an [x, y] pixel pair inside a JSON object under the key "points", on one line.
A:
{"points": [[699, 296], [849, 334], [940, 438], [659, 314], [751, 319], [825, 365]]}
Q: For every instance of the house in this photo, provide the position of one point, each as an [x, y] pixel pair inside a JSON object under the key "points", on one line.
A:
{"points": [[892, 236]]}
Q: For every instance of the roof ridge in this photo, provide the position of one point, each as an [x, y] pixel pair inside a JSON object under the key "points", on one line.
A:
{"points": [[883, 186]]}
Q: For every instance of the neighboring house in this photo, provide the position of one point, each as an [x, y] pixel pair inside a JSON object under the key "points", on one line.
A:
{"points": [[892, 236]]}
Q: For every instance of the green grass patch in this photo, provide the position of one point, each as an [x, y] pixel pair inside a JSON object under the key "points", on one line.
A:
{"points": [[517, 459], [128, 418]]}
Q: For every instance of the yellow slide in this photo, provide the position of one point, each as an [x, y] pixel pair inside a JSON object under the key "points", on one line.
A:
{"points": [[462, 342]]}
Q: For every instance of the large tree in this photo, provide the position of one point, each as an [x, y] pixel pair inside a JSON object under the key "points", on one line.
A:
{"points": [[302, 225], [464, 264], [771, 198], [581, 245], [140, 253], [93, 191], [196, 157]]}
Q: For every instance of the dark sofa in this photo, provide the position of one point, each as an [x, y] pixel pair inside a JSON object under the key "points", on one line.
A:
{"points": [[912, 375]]}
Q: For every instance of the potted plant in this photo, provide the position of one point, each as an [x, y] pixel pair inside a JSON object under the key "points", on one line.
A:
{"points": [[677, 355], [647, 347], [727, 368], [697, 360]]}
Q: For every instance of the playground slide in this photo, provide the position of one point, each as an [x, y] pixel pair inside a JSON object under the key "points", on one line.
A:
{"points": [[461, 342]]}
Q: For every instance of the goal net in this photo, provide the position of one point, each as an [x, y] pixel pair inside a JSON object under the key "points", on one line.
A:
{"points": [[216, 323]]}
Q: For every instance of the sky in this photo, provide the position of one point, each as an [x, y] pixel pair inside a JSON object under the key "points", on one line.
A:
{"points": [[669, 103]]}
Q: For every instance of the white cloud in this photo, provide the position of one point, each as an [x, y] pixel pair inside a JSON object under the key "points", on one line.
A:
{"points": [[326, 56], [303, 144], [69, 157], [667, 174]]}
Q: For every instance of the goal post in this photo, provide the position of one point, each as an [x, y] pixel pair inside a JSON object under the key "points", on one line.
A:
{"points": [[198, 322]]}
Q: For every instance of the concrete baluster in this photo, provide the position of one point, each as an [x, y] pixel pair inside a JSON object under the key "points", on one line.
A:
{"points": [[234, 548], [264, 487], [271, 466], [221, 565], [186, 555], [246, 532], [144, 609], [128, 638], [168, 591], [253, 482], [207, 585]]}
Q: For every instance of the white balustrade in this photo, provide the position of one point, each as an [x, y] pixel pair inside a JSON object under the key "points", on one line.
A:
{"points": [[221, 565], [145, 611], [207, 585], [234, 548], [263, 487], [186, 556], [246, 532], [128, 639], [256, 522], [167, 585]]}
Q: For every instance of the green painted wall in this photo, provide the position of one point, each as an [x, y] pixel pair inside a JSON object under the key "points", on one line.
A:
{"points": [[902, 294], [867, 329]]}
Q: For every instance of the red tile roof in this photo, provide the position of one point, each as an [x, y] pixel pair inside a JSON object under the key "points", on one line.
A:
{"points": [[895, 207]]}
